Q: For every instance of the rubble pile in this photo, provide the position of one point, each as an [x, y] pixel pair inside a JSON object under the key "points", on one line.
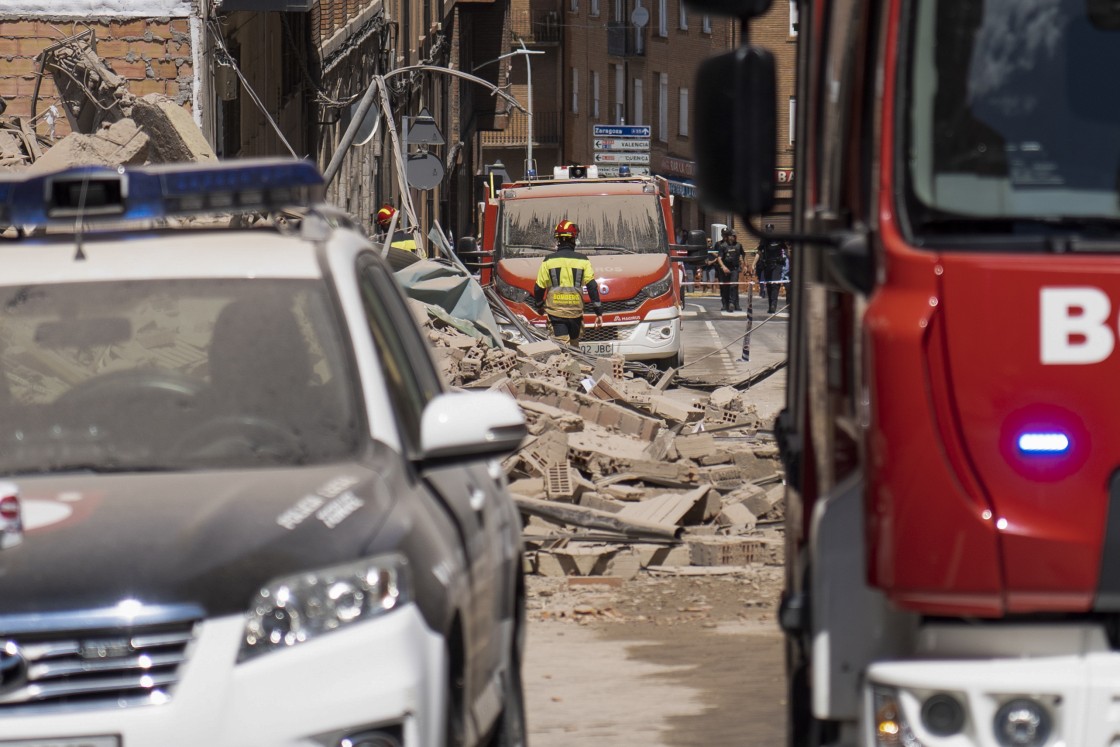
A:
{"points": [[620, 475]]}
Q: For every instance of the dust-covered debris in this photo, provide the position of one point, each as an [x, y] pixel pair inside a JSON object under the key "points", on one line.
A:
{"points": [[619, 476]]}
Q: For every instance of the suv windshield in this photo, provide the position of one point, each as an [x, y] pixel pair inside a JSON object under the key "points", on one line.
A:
{"points": [[1010, 113], [608, 224], [171, 374]]}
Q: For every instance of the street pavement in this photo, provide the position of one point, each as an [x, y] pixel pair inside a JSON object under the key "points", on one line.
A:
{"points": [[713, 348]]}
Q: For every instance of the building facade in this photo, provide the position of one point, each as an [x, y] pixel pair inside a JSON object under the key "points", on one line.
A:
{"points": [[634, 62]]}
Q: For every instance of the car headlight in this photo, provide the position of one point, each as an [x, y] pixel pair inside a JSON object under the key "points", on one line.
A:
{"points": [[660, 288], [511, 292], [298, 608], [1022, 722]]}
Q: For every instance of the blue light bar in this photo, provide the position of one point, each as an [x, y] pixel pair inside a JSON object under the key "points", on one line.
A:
{"points": [[98, 193], [1052, 443]]}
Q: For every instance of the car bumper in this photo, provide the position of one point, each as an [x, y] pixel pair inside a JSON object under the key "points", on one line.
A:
{"points": [[1078, 692], [387, 672]]}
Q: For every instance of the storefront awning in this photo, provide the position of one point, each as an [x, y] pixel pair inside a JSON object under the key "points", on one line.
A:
{"points": [[682, 188]]}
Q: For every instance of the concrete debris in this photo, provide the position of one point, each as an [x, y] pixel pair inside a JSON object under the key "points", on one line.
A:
{"points": [[110, 125], [619, 476]]}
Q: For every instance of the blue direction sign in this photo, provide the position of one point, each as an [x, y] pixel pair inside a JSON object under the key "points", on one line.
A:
{"points": [[621, 131]]}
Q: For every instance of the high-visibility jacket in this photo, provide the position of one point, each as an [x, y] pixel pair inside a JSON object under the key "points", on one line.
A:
{"points": [[401, 240], [561, 279]]}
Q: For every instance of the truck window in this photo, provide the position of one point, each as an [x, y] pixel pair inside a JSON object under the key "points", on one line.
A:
{"points": [[608, 224], [1011, 114]]}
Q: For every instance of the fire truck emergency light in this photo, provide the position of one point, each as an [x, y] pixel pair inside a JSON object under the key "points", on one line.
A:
{"points": [[1047, 443], [94, 192], [575, 172]]}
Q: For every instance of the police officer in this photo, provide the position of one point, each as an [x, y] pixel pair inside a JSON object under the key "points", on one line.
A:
{"points": [[730, 259], [561, 280], [401, 239], [769, 264]]}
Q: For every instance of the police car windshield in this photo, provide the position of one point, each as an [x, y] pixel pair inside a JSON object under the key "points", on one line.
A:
{"points": [[171, 374], [1008, 116], [608, 224]]}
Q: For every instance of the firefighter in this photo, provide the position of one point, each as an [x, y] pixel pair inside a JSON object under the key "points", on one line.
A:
{"points": [[401, 239], [561, 279]]}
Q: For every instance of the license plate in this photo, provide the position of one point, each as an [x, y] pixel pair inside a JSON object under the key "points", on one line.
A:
{"points": [[65, 742], [596, 348]]}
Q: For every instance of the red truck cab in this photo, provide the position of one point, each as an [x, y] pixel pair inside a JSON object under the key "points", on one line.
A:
{"points": [[950, 440]]}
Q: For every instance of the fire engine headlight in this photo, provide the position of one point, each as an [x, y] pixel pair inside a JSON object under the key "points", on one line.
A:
{"points": [[512, 292], [1022, 722], [943, 715], [660, 288], [889, 723], [294, 609]]}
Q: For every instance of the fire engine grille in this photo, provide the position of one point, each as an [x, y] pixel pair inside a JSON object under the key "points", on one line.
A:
{"points": [[100, 668], [605, 333], [627, 304]]}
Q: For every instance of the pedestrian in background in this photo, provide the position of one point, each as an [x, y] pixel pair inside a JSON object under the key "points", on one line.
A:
{"points": [[710, 270], [730, 262]]}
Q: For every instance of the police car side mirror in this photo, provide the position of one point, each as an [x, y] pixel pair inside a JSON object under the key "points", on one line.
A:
{"points": [[736, 112]]}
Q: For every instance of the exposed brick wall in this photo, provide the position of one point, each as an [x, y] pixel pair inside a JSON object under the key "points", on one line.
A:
{"points": [[153, 54]]}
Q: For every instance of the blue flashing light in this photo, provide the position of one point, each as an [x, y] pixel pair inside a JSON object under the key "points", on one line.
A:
{"points": [[1044, 443], [92, 193], [624, 170]]}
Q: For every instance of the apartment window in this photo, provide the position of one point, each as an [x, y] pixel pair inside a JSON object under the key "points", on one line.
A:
{"points": [[594, 9], [575, 91], [573, 6], [619, 93], [682, 113], [793, 17], [683, 16], [792, 119], [705, 26], [663, 107], [662, 17], [595, 94], [637, 116]]}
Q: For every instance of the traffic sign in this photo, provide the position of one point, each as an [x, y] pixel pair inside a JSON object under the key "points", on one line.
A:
{"points": [[615, 143], [621, 131], [612, 171], [640, 158]]}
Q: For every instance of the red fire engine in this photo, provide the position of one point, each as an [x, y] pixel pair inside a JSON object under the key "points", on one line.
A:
{"points": [[953, 501], [625, 227]]}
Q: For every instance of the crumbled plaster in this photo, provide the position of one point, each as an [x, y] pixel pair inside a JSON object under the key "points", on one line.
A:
{"points": [[113, 8]]}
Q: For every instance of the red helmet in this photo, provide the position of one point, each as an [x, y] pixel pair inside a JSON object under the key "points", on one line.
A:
{"points": [[565, 229], [385, 216]]}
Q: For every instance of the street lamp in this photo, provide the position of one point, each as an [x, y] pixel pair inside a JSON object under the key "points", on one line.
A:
{"points": [[530, 164]]}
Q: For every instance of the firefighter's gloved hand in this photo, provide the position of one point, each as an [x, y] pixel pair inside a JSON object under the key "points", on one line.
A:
{"points": [[539, 308], [598, 321]]}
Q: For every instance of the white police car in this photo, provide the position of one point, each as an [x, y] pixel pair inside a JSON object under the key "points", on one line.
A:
{"points": [[237, 505]]}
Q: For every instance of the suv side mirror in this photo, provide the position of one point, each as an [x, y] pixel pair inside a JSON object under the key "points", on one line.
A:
{"points": [[737, 113]]}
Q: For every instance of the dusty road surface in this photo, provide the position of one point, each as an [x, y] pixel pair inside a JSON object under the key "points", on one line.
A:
{"points": [[672, 661]]}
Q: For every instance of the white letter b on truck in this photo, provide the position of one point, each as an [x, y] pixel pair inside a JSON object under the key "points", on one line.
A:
{"points": [[1074, 323]]}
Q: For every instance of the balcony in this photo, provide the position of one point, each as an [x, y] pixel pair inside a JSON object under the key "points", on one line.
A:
{"points": [[535, 26], [625, 40], [546, 131]]}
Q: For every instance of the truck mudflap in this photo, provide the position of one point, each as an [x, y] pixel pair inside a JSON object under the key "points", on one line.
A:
{"points": [[1038, 685]]}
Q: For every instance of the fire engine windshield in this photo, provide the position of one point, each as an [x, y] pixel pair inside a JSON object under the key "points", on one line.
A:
{"points": [[1013, 111], [608, 224]]}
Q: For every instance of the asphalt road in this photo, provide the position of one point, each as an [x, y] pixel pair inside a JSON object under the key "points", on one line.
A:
{"points": [[698, 663]]}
